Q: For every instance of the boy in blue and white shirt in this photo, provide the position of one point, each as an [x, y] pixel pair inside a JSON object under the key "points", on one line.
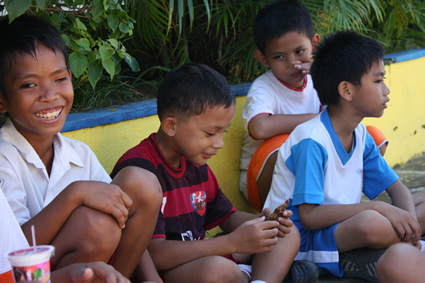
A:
{"points": [[328, 162]]}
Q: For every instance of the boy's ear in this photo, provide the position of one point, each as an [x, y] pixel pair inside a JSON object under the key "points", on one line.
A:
{"points": [[168, 125], [315, 41], [345, 90], [3, 106], [261, 58]]}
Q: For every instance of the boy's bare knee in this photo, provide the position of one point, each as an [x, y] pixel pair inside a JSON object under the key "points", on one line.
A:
{"points": [[87, 235], [376, 228], [294, 237], [391, 258], [211, 269], [141, 185], [101, 231], [223, 270]]}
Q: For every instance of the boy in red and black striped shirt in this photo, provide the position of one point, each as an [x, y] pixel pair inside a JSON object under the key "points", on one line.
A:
{"points": [[195, 107]]}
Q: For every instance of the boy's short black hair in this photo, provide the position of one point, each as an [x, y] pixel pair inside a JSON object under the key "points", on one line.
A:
{"points": [[343, 56], [23, 35], [278, 18], [191, 89]]}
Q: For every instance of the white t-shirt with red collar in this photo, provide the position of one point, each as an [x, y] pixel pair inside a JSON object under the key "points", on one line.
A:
{"points": [[269, 95]]}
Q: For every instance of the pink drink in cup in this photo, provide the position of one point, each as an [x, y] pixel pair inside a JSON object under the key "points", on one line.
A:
{"points": [[31, 264]]}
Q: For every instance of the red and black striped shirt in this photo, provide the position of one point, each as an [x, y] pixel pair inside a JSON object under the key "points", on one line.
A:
{"points": [[192, 199]]}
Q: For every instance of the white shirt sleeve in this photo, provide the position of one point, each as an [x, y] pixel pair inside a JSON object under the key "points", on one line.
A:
{"points": [[12, 185], [11, 235]]}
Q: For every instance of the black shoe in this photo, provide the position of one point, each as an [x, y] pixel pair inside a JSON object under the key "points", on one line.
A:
{"points": [[302, 271], [360, 263]]}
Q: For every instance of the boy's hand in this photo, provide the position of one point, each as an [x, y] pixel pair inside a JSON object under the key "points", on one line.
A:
{"points": [[284, 221], [266, 212], [305, 67], [405, 225], [94, 272], [255, 236], [107, 198]]}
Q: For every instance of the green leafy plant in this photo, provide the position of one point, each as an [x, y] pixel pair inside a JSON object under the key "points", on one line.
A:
{"points": [[93, 30], [122, 89], [402, 27]]}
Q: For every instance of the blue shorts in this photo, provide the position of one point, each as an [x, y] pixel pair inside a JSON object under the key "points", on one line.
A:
{"points": [[319, 246]]}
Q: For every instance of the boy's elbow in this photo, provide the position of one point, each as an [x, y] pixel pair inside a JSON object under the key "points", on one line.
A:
{"points": [[309, 218], [307, 223], [258, 127], [258, 133]]}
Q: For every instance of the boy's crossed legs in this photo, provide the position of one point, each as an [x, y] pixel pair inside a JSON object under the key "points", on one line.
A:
{"points": [[90, 235], [87, 236], [361, 241], [269, 266], [366, 229]]}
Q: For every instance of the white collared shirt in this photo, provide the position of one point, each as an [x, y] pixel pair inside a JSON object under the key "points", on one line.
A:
{"points": [[24, 178], [11, 235]]}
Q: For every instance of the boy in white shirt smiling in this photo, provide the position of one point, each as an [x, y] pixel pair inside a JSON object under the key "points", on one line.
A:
{"points": [[53, 182]]}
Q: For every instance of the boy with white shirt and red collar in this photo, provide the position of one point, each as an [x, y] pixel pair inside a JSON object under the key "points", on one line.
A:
{"points": [[280, 99], [56, 183]]}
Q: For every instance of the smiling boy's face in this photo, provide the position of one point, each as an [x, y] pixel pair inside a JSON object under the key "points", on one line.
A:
{"points": [[39, 93], [199, 137], [283, 53]]}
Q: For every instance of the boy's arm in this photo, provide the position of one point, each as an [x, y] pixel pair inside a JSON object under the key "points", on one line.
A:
{"points": [[264, 126], [107, 198], [253, 236], [402, 213], [406, 224], [235, 220], [314, 216]]}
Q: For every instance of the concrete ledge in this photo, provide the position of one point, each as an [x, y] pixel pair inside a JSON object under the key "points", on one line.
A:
{"points": [[104, 116], [405, 55]]}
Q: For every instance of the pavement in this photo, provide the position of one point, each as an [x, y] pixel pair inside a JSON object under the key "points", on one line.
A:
{"points": [[412, 174]]}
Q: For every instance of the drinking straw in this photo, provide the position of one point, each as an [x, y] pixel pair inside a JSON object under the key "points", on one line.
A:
{"points": [[33, 235]]}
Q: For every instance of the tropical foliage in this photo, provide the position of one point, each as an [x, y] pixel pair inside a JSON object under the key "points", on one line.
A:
{"points": [[402, 26], [220, 33], [162, 34], [93, 30]]}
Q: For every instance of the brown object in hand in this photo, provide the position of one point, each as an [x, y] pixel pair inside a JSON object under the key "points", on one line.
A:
{"points": [[278, 212]]}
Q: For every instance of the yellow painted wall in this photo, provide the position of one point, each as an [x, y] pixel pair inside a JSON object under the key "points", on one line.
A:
{"points": [[403, 123]]}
